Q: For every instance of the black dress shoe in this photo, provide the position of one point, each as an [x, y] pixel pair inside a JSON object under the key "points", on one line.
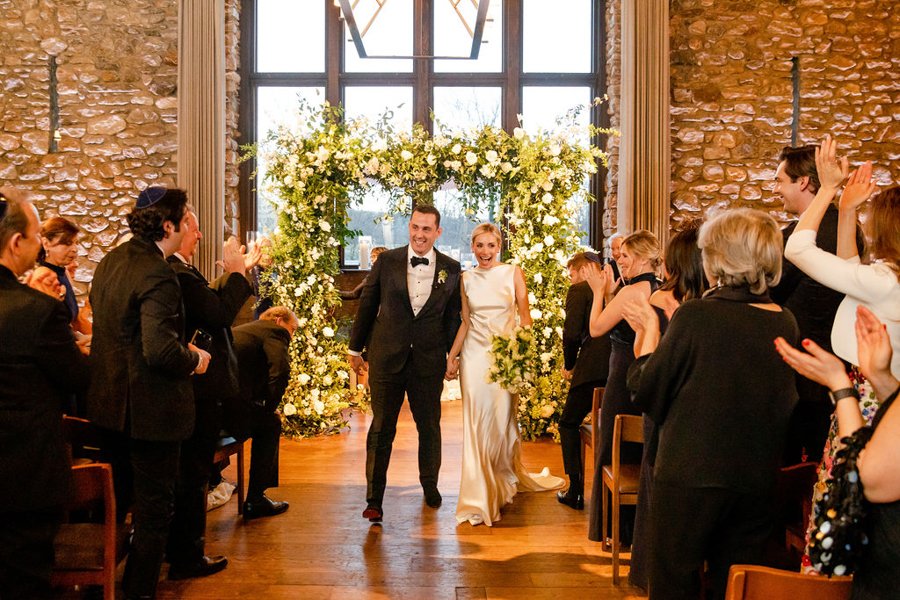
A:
{"points": [[373, 513], [208, 565], [263, 508], [575, 501], [433, 497]]}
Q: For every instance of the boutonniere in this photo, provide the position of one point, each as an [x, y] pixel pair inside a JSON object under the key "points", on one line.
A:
{"points": [[442, 277]]}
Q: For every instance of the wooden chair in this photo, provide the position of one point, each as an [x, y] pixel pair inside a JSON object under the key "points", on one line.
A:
{"points": [[87, 553], [751, 582], [83, 439], [620, 481], [590, 430], [226, 447], [794, 502]]}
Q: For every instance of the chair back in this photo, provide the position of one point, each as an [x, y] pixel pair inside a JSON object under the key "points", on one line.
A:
{"points": [[87, 553], [751, 582], [84, 440], [627, 428], [596, 405]]}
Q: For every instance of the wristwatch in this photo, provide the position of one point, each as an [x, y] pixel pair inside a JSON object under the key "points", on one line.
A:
{"points": [[842, 393]]}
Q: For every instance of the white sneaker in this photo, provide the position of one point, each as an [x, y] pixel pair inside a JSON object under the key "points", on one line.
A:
{"points": [[220, 495]]}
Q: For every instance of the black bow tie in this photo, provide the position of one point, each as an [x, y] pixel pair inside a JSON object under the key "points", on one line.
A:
{"points": [[415, 261]]}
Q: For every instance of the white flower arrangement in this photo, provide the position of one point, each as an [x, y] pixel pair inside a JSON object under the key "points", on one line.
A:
{"points": [[318, 170]]}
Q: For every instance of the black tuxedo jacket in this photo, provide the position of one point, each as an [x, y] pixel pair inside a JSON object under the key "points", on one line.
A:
{"points": [[140, 365], [40, 366], [264, 368], [385, 323], [212, 309], [588, 356]]}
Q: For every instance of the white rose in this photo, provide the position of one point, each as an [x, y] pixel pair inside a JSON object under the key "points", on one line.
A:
{"points": [[302, 322], [328, 332], [548, 332], [406, 155], [431, 160], [342, 374], [506, 167], [491, 156], [325, 225], [456, 149], [546, 356], [318, 406], [288, 180], [328, 380], [298, 291], [303, 378], [549, 241], [536, 314], [537, 248], [547, 185], [289, 410], [538, 278], [547, 411], [547, 198], [518, 133], [550, 220], [555, 149], [471, 158]]}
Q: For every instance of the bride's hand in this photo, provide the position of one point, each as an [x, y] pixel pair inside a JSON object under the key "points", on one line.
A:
{"points": [[452, 369]]}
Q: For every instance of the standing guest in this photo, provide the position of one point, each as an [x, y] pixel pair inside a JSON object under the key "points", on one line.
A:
{"points": [[40, 366], [615, 252], [813, 304], [141, 370], [407, 318], [494, 299], [877, 575], [264, 367], [874, 283], [357, 291], [639, 260], [585, 365], [208, 309], [722, 399], [649, 319]]}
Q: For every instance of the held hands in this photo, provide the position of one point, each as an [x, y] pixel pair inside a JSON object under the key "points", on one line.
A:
{"points": [[452, 368], [204, 359], [358, 364], [859, 188], [831, 170]]}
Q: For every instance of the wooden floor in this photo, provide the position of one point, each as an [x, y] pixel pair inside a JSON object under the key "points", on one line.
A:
{"points": [[323, 549]]}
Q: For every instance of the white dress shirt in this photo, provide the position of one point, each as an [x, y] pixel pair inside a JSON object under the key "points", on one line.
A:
{"points": [[419, 279]]}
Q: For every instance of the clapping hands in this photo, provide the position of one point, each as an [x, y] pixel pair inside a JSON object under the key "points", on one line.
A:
{"points": [[859, 188], [832, 171]]}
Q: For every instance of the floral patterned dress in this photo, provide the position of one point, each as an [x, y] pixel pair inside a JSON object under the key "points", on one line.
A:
{"points": [[868, 406]]}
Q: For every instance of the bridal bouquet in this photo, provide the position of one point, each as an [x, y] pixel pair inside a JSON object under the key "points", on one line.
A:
{"points": [[512, 357]]}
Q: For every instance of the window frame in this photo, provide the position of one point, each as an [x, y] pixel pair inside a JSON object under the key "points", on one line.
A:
{"points": [[423, 80]]}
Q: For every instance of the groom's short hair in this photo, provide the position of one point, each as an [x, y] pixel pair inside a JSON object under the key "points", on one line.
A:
{"points": [[428, 209]]}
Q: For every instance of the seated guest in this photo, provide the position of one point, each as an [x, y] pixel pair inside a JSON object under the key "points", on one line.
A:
{"points": [[877, 575], [649, 319], [264, 370], [722, 398], [40, 366], [58, 252], [586, 364], [356, 292]]}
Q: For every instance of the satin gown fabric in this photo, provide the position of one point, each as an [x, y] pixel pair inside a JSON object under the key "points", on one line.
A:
{"points": [[492, 471]]}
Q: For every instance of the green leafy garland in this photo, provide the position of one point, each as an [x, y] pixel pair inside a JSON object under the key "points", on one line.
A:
{"points": [[320, 169]]}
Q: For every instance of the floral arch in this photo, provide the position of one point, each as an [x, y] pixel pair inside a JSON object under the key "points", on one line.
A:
{"points": [[317, 170]]}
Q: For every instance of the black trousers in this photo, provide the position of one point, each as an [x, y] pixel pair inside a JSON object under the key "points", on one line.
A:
{"points": [[425, 404], [154, 467], [808, 427], [578, 405], [689, 525], [265, 431], [26, 552], [187, 536]]}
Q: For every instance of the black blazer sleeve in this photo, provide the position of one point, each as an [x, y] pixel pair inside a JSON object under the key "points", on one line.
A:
{"points": [[572, 327], [790, 274], [57, 355], [160, 327], [369, 301], [213, 308]]}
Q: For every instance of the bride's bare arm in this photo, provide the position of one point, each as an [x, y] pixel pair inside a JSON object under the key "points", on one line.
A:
{"points": [[456, 348], [522, 298]]}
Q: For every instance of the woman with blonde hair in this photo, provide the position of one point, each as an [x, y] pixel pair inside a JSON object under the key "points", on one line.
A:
{"points": [[722, 398], [494, 298], [639, 262]]}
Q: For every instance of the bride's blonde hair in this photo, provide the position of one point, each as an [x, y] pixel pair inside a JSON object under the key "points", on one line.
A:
{"points": [[487, 228]]}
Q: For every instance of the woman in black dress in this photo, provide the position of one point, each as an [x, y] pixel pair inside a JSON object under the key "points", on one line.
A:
{"points": [[722, 398], [639, 262]]}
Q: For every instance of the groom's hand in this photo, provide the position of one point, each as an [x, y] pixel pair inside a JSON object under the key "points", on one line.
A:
{"points": [[358, 364]]}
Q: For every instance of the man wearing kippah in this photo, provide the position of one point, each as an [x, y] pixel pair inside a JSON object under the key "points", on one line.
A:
{"points": [[141, 371]]}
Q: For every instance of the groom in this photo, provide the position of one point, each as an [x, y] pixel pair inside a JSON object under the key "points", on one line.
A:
{"points": [[407, 319]]}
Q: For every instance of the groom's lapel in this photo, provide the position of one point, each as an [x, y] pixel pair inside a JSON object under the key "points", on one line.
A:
{"points": [[441, 264], [404, 280]]}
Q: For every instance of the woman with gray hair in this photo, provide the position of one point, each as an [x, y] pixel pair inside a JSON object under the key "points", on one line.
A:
{"points": [[722, 398]]}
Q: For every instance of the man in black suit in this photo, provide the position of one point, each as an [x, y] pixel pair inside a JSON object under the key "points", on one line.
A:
{"points": [[40, 366], [211, 310], [813, 304], [264, 366], [586, 365], [141, 371], [407, 318]]}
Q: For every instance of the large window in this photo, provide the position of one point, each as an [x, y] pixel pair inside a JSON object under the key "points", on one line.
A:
{"points": [[539, 59]]}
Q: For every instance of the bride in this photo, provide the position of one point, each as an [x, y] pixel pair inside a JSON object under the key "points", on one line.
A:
{"points": [[493, 295]]}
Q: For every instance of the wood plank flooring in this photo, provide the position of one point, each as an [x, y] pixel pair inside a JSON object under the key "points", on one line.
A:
{"points": [[323, 549]]}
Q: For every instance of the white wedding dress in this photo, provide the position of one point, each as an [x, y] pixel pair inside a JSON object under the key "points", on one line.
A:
{"points": [[492, 471]]}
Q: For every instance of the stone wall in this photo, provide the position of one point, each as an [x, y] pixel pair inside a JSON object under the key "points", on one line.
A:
{"points": [[232, 114], [614, 93], [117, 77], [732, 92]]}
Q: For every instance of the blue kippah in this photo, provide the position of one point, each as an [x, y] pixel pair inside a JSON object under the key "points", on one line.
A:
{"points": [[150, 196]]}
